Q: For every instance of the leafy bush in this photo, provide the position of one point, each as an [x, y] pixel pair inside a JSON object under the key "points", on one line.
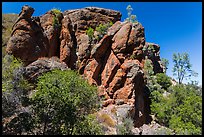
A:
{"points": [[56, 22], [61, 101], [56, 11], [163, 80], [90, 33], [102, 30], [180, 111], [15, 91], [126, 127], [88, 126]]}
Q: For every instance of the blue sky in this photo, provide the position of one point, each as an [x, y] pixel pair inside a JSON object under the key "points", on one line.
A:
{"points": [[175, 26]]}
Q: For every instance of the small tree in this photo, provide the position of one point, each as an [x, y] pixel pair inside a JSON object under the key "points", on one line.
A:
{"points": [[182, 67], [90, 33], [102, 30], [130, 18], [57, 13], [165, 64]]}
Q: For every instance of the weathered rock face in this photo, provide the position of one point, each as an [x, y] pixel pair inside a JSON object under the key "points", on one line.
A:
{"points": [[114, 63], [27, 40], [42, 65], [76, 22], [152, 51], [51, 31]]}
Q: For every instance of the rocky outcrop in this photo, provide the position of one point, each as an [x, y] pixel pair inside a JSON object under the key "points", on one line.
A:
{"points": [[42, 65], [27, 40], [115, 63], [50, 22], [75, 24]]}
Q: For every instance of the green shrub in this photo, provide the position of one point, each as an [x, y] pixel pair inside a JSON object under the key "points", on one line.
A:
{"points": [[90, 33], [163, 80], [62, 99], [56, 11], [55, 21], [181, 110], [125, 128], [88, 126], [102, 30], [15, 91]]}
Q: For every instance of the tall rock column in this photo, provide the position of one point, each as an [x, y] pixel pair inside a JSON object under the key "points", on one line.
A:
{"points": [[27, 40]]}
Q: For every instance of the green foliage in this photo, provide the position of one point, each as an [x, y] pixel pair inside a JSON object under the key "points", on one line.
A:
{"points": [[55, 21], [130, 18], [90, 33], [163, 131], [182, 67], [88, 126], [102, 30], [180, 111], [165, 64], [9, 64], [62, 99], [125, 128], [56, 11], [194, 85], [163, 80], [14, 97], [177, 107], [149, 74], [148, 68], [149, 50]]}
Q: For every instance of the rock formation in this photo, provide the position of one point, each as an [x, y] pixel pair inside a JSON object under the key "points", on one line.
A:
{"points": [[114, 63], [27, 40]]}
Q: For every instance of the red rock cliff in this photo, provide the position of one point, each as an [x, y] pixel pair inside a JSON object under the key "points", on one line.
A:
{"points": [[114, 64]]}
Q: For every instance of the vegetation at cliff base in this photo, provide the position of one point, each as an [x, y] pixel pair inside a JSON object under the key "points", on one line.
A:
{"points": [[56, 92], [60, 104], [178, 107]]}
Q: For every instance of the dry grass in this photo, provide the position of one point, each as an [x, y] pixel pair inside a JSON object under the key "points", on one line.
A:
{"points": [[106, 119], [113, 110], [7, 22]]}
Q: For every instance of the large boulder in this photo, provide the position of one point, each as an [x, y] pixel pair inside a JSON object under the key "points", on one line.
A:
{"points": [[42, 65], [27, 40]]}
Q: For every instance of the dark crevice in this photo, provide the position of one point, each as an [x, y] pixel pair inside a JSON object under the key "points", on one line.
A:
{"points": [[112, 74], [147, 103], [58, 44], [103, 61], [73, 55]]}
